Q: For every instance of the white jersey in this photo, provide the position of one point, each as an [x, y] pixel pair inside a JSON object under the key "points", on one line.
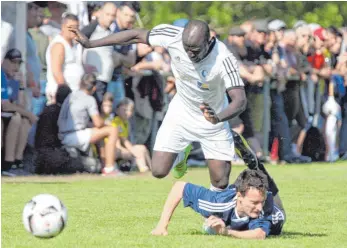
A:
{"points": [[206, 81]]}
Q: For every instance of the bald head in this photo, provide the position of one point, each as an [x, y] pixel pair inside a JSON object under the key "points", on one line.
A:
{"points": [[195, 38], [107, 14], [195, 32]]}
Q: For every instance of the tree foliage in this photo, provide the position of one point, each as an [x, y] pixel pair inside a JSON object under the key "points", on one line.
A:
{"points": [[223, 15]]}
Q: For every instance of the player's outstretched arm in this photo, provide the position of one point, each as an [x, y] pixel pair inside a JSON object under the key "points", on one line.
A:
{"points": [[121, 38], [249, 234], [174, 198]]}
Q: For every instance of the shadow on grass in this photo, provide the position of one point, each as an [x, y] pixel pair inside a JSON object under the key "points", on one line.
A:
{"points": [[286, 235]]}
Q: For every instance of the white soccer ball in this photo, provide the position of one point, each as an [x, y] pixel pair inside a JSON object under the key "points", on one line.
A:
{"points": [[44, 216]]}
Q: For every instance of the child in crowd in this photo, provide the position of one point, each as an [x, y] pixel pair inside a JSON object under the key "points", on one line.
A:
{"points": [[125, 149]]}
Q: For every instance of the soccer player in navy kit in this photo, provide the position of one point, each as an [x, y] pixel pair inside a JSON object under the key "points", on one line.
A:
{"points": [[245, 210]]}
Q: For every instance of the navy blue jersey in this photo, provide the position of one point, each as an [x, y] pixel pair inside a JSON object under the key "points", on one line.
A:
{"points": [[222, 204]]}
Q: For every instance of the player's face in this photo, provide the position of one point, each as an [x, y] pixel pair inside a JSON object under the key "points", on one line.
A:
{"points": [[252, 203], [196, 52]]}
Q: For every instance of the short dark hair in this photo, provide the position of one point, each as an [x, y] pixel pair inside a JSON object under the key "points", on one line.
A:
{"points": [[88, 81], [69, 16], [108, 97], [251, 179], [126, 101], [134, 5]]}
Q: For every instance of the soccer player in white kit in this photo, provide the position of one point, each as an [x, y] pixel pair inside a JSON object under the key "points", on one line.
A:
{"points": [[204, 70]]}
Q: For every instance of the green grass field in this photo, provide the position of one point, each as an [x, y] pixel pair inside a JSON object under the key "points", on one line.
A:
{"points": [[121, 212]]}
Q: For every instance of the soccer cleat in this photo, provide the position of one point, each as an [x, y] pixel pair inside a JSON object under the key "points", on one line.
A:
{"points": [[245, 152], [181, 168]]}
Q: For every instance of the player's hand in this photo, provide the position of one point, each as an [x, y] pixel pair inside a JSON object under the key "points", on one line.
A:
{"points": [[80, 37], [209, 113], [160, 231], [217, 224]]}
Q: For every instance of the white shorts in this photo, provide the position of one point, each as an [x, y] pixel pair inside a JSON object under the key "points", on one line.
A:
{"points": [[182, 127], [79, 139]]}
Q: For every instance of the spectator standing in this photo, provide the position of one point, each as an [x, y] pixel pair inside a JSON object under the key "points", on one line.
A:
{"points": [[63, 66], [104, 59], [53, 26], [125, 19], [42, 43], [279, 120], [6, 34]]}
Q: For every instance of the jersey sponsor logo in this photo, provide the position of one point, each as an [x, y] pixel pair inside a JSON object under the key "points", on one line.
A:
{"points": [[204, 73], [203, 86]]}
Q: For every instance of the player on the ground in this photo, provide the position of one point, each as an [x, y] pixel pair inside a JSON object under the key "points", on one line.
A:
{"points": [[248, 209], [204, 69]]}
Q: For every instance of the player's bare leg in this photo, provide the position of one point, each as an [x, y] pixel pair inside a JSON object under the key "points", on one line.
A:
{"points": [[162, 163], [219, 173]]}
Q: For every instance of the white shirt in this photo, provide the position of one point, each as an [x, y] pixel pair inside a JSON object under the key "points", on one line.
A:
{"points": [[72, 68], [6, 32], [206, 81], [101, 57]]}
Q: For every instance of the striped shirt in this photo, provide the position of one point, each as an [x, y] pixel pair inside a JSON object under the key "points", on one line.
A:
{"points": [[205, 81], [223, 205]]}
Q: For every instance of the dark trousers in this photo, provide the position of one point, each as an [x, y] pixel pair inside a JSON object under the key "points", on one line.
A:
{"points": [[279, 124], [343, 131]]}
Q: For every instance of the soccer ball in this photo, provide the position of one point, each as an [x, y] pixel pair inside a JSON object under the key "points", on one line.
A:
{"points": [[44, 216]]}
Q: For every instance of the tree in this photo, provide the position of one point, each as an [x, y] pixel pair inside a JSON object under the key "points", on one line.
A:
{"points": [[224, 15]]}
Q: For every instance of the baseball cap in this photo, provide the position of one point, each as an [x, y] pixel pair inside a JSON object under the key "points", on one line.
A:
{"points": [[276, 25], [14, 54], [237, 31], [319, 32]]}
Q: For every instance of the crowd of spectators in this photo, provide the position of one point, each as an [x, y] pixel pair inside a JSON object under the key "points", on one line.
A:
{"points": [[97, 110]]}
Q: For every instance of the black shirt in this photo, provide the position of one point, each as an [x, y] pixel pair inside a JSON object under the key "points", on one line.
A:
{"points": [[47, 128]]}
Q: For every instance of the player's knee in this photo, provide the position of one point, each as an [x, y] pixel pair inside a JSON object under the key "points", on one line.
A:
{"points": [[221, 183], [159, 173]]}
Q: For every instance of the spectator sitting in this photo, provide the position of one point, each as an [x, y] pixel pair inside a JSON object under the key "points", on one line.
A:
{"points": [[16, 119], [125, 149], [73, 122]]}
